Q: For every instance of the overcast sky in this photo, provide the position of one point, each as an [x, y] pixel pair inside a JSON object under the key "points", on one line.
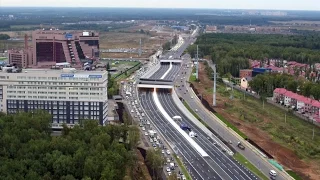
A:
{"points": [[215, 4]]}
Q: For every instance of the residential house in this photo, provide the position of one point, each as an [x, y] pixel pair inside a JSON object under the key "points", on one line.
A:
{"points": [[303, 105], [278, 95], [244, 84]]}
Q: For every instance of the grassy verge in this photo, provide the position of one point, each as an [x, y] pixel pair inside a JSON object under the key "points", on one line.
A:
{"points": [[250, 166], [194, 113], [193, 78], [129, 72], [231, 126], [294, 175], [183, 169]]}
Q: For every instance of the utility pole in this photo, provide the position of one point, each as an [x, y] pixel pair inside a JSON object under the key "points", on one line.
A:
{"points": [[214, 85], [197, 68], [285, 117], [312, 133], [140, 49]]}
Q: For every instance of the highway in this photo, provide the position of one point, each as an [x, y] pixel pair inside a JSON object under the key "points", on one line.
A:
{"points": [[163, 69], [252, 155], [223, 161], [173, 72], [197, 165]]}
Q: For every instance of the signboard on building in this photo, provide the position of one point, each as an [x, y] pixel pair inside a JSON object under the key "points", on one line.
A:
{"points": [[68, 36], [80, 76], [85, 34]]}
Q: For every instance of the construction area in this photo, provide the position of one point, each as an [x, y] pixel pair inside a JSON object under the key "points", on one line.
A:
{"points": [[267, 126]]}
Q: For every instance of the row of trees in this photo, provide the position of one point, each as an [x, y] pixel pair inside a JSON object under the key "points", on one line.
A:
{"points": [[264, 84], [89, 151], [169, 44], [231, 51], [4, 37]]}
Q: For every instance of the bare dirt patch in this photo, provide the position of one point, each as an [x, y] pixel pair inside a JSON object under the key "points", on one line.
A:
{"points": [[284, 155]]}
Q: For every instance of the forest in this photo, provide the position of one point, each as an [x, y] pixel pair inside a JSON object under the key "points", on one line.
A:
{"points": [[4, 37], [264, 84], [89, 151], [231, 51]]}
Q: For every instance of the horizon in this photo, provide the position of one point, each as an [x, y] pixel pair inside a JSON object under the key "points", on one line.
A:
{"points": [[91, 7], [284, 5]]}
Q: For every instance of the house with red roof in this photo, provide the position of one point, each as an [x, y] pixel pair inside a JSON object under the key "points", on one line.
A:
{"points": [[302, 104]]}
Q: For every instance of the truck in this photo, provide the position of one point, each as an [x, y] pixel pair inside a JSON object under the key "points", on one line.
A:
{"points": [[240, 146]]}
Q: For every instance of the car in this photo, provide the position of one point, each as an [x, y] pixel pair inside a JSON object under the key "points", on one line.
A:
{"points": [[146, 133], [168, 152], [148, 122], [143, 128], [273, 173], [191, 97], [154, 145], [169, 173], [162, 151], [168, 160], [196, 110]]}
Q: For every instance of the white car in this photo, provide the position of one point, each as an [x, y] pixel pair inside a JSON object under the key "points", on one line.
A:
{"points": [[273, 173], [168, 152], [146, 133], [168, 160], [148, 122], [162, 151], [143, 128], [191, 97], [168, 169]]}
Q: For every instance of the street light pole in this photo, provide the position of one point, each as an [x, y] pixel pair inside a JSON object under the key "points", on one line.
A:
{"points": [[214, 84]]}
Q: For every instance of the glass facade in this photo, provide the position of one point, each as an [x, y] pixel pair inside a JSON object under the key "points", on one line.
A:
{"points": [[69, 112]]}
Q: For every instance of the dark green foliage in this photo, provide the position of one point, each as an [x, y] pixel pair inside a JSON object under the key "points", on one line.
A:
{"points": [[264, 84], [28, 151], [231, 51], [4, 37]]}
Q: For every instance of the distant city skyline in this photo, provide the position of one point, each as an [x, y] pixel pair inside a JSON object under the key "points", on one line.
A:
{"points": [[207, 4]]}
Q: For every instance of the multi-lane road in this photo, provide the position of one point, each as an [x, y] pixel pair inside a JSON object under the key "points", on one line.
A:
{"points": [[217, 157], [218, 164]]}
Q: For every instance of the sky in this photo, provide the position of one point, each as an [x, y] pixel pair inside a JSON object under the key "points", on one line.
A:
{"points": [[208, 4]]}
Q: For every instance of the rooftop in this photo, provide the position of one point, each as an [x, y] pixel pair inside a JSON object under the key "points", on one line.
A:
{"points": [[57, 71]]}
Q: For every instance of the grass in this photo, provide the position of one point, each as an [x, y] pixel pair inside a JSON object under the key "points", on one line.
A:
{"points": [[250, 166], [114, 65], [234, 128], [129, 72], [192, 77], [194, 114], [3, 58], [183, 168], [294, 175]]}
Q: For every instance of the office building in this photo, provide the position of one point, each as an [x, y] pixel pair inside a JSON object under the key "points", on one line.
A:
{"points": [[55, 46], [68, 95]]}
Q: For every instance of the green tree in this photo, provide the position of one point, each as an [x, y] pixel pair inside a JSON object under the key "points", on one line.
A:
{"points": [[155, 161], [90, 151]]}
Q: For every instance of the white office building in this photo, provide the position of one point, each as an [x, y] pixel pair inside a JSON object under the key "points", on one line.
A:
{"points": [[69, 95]]}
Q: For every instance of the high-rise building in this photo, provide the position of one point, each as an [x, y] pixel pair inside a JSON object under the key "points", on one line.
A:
{"points": [[55, 46], [68, 95]]}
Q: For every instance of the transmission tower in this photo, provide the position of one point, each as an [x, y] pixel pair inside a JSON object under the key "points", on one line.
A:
{"points": [[140, 48], [197, 67]]}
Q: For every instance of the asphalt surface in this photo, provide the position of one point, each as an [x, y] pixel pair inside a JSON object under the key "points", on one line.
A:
{"points": [[160, 72], [173, 72], [194, 103], [197, 165], [219, 159]]}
